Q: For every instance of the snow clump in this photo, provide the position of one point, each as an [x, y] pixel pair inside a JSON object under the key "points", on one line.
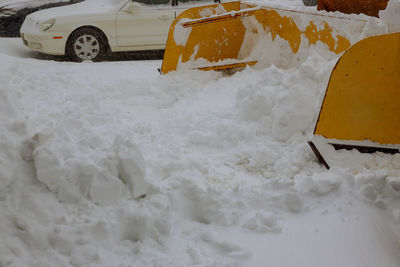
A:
{"points": [[72, 167]]}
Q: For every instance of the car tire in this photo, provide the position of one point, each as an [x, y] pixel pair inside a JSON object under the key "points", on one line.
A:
{"points": [[86, 44], [310, 2]]}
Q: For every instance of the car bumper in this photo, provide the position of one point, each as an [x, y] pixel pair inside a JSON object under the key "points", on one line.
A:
{"points": [[52, 44]]}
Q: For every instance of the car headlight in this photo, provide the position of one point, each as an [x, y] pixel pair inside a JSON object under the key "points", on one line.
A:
{"points": [[47, 24]]}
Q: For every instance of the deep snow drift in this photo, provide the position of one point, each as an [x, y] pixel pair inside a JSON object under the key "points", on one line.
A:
{"points": [[111, 164]]}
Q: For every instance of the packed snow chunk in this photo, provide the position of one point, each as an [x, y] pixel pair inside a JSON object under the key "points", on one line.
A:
{"points": [[12, 128], [254, 104], [394, 182], [390, 15], [29, 233], [63, 243], [131, 166], [320, 183], [263, 223], [181, 34], [376, 187], [83, 255], [293, 113], [7, 108], [138, 224], [225, 248], [199, 204], [10, 133], [374, 27], [76, 168], [293, 202]]}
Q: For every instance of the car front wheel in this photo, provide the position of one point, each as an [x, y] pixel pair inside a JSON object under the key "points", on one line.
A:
{"points": [[86, 44]]}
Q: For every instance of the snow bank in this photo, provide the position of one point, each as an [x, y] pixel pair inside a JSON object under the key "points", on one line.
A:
{"points": [[322, 32], [87, 167], [228, 177], [390, 15]]}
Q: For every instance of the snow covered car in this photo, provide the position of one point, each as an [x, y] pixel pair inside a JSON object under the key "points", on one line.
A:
{"points": [[90, 29], [13, 13]]}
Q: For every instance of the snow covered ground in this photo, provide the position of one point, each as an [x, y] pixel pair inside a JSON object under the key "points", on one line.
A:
{"points": [[112, 164]]}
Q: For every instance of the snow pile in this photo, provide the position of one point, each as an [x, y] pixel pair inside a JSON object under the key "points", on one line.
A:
{"points": [[87, 166], [231, 180], [267, 42], [111, 164], [10, 127], [390, 15]]}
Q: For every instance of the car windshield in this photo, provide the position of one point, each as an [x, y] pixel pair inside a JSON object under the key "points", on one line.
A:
{"points": [[117, 2], [153, 2], [104, 3], [185, 1]]}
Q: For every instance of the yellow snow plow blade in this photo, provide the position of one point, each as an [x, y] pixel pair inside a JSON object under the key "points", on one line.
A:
{"points": [[225, 35], [361, 108]]}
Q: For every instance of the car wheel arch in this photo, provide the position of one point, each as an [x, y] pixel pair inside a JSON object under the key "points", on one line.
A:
{"points": [[104, 36]]}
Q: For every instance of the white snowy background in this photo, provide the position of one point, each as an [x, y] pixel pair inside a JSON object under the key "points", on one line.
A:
{"points": [[112, 164]]}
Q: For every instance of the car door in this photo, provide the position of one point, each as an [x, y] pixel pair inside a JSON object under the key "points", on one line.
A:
{"points": [[144, 24]]}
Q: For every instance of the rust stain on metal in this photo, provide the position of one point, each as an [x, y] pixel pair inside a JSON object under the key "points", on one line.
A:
{"points": [[368, 7]]}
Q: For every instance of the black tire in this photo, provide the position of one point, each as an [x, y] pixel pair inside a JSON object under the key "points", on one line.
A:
{"points": [[86, 44], [310, 2]]}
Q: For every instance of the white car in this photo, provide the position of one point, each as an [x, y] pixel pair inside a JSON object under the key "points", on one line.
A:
{"points": [[90, 29]]}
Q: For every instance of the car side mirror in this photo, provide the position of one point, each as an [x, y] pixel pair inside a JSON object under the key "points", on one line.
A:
{"points": [[133, 7]]}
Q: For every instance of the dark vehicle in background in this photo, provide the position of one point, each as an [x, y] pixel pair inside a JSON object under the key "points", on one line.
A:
{"points": [[310, 2], [13, 13]]}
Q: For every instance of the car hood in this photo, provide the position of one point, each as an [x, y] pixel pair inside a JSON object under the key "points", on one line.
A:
{"points": [[86, 7]]}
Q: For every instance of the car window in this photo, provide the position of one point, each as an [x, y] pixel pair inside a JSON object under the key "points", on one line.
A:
{"points": [[153, 2], [184, 1]]}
